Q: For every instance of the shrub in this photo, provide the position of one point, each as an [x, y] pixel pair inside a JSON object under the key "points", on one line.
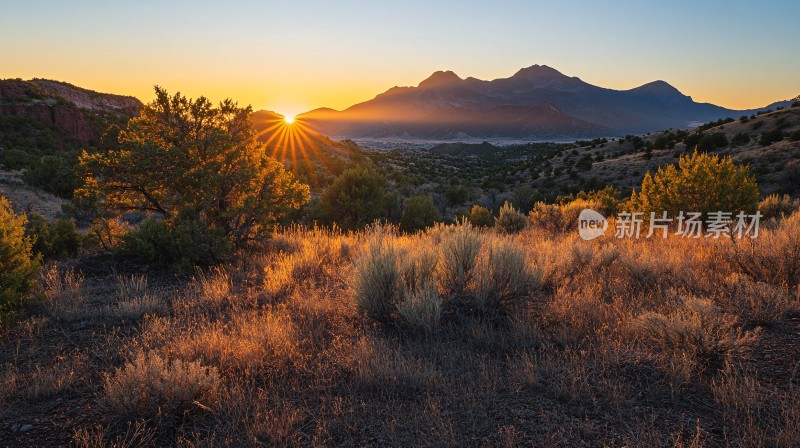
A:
{"points": [[62, 292], [504, 275], [377, 278], [741, 138], [355, 199], [773, 257], [189, 161], [179, 242], [54, 241], [770, 137], [713, 141], [457, 195], [459, 254], [149, 386], [422, 309], [560, 218], [18, 265], [794, 136], [697, 332], [107, 234], [757, 302], [510, 220], [776, 206], [700, 183], [419, 212], [480, 216]]}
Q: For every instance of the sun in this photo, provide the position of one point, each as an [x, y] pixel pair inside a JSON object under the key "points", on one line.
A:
{"points": [[288, 119]]}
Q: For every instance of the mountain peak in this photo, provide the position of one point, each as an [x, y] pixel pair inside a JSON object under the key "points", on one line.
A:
{"points": [[440, 78], [538, 71], [658, 88]]}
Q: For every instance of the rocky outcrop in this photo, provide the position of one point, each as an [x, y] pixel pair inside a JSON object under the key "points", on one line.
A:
{"points": [[61, 105], [89, 99], [22, 98]]}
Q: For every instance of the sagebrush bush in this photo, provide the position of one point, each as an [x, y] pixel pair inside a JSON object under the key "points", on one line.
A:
{"points": [[510, 220], [149, 386], [421, 310], [776, 206], [460, 246], [773, 257], [505, 274], [18, 265], [697, 332], [559, 218], [377, 278], [757, 302]]}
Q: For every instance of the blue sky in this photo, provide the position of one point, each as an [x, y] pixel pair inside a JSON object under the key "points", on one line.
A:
{"points": [[294, 56]]}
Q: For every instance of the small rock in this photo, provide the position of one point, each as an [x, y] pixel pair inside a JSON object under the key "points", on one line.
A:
{"points": [[25, 428], [15, 427]]}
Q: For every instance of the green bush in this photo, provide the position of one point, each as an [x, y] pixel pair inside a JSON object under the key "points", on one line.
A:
{"points": [[355, 199], [181, 243], [456, 194], [510, 220], [699, 183], [56, 240], [481, 216], [18, 265], [770, 137], [418, 214], [794, 136]]}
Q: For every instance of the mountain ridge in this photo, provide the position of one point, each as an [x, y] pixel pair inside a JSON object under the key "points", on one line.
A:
{"points": [[452, 102]]}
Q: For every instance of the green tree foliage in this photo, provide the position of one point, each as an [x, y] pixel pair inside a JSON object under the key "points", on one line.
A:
{"points": [[481, 216], [457, 194], [419, 212], [18, 265], [699, 183], [770, 137], [56, 240], [356, 198], [190, 162]]}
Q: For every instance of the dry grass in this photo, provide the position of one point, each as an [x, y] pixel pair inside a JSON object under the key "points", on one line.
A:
{"points": [[149, 386], [451, 337], [696, 333]]}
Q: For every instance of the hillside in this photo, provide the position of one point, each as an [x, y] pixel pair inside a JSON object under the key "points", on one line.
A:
{"points": [[537, 102], [313, 157]]}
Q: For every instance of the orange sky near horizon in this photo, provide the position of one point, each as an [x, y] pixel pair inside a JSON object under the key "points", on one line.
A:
{"points": [[280, 56]]}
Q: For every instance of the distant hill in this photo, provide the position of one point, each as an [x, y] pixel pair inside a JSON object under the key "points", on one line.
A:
{"points": [[536, 102]]}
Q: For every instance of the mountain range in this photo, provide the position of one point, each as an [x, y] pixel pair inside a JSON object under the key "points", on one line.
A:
{"points": [[536, 102]]}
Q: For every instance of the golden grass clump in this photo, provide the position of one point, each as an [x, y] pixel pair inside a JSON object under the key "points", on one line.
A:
{"points": [[697, 331], [460, 246], [377, 278], [63, 298], [150, 386]]}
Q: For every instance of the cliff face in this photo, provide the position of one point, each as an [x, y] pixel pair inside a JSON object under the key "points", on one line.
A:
{"points": [[61, 105], [25, 99], [89, 99]]}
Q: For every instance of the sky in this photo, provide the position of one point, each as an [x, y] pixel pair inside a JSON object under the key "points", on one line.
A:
{"points": [[293, 56]]}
